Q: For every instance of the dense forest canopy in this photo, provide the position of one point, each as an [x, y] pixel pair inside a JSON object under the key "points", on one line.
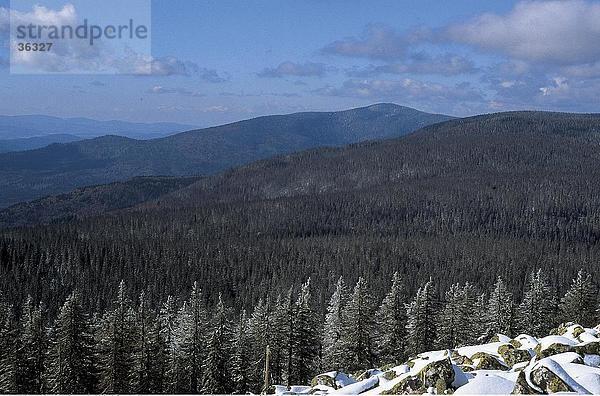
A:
{"points": [[468, 199]]}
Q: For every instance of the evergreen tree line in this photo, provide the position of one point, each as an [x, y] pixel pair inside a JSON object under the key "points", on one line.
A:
{"points": [[187, 347]]}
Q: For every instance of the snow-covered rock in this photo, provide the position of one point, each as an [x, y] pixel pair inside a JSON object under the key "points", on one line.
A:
{"points": [[567, 361]]}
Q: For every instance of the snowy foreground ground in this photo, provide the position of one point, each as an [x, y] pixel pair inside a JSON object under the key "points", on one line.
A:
{"points": [[568, 362]]}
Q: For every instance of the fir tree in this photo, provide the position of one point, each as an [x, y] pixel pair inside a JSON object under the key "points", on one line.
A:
{"points": [[216, 377], [421, 325], [538, 308], [31, 349], [147, 364], [359, 328], [191, 343], [391, 324], [71, 368], [579, 303], [449, 321], [333, 352], [168, 347], [117, 341], [261, 332], [499, 315], [305, 336], [8, 345], [241, 366]]}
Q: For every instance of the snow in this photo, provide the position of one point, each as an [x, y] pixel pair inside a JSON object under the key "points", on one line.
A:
{"points": [[580, 372], [592, 360], [491, 348], [487, 384], [547, 341], [358, 387], [560, 371]]}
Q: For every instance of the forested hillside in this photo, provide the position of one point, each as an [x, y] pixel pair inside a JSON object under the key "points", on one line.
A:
{"points": [[446, 211], [60, 168], [472, 199]]}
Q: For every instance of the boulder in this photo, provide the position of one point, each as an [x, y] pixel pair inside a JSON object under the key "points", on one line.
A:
{"points": [[485, 361], [552, 349], [437, 374], [588, 348], [512, 355], [522, 387], [548, 381]]}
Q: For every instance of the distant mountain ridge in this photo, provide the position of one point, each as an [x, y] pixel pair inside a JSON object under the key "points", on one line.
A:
{"points": [[32, 143], [60, 168], [26, 126]]}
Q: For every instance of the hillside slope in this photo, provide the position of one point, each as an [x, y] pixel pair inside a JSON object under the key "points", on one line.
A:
{"points": [[60, 168], [471, 199]]}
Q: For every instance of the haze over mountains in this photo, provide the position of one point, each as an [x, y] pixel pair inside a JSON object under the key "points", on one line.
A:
{"points": [[60, 168], [27, 126]]}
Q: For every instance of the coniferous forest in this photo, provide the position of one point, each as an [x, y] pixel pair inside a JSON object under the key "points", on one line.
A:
{"points": [[329, 259], [187, 347]]}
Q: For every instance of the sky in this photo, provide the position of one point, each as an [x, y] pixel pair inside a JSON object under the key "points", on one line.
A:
{"points": [[219, 61]]}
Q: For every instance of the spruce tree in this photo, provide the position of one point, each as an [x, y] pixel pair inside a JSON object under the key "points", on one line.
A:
{"points": [[31, 349], [391, 324], [167, 346], [359, 328], [72, 351], [261, 333], [117, 341], [538, 308], [579, 303], [449, 322], [421, 324], [191, 341], [148, 358], [241, 361], [305, 338], [8, 345], [280, 336], [499, 315], [216, 373], [333, 352]]}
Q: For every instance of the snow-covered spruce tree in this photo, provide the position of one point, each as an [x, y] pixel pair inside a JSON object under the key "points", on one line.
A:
{"points": [[305, 338], [579, 303], [359, 328], [71, 360], [286, 315], [280, 336], [148, 360], [241, 363], [167, 336], [260, 332], [217, 375], [117, 344], [450, 320], [472, 315], [31, 349], [499, 315], [480, 332], [191, 341], [537, 311], [421, 324], [333, 353], [391, 324], [8, 344]]}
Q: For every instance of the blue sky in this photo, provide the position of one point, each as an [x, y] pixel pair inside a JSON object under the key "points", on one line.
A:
{"points": [[220, 61]]}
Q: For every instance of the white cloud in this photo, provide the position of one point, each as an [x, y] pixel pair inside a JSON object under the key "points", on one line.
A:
{"points": [[308, 69], [554, 31]]}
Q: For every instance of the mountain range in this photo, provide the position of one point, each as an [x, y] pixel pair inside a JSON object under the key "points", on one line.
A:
{"points": [[28, 126], [59, 168]]}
